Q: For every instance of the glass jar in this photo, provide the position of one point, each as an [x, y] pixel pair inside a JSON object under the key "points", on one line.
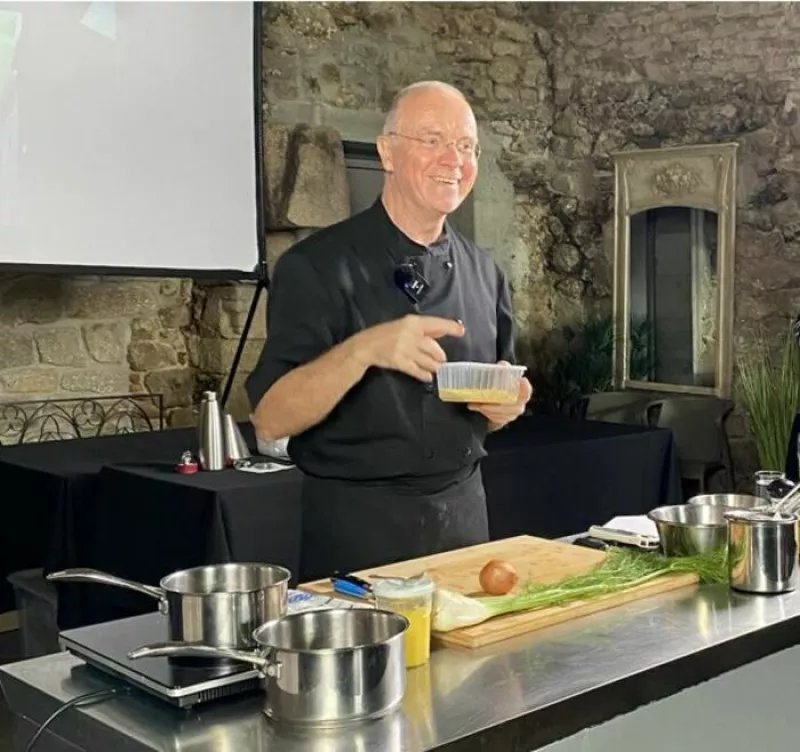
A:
{"points": [[412, 598]]}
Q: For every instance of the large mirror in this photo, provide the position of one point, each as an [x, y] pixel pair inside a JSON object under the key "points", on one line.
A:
{"points": [[673, 269]]}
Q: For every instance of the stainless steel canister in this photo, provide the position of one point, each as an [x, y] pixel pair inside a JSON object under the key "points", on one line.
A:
{"points": [[762, 551]]}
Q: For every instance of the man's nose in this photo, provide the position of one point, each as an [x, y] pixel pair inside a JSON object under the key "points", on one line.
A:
{"points": [[451, 154]]}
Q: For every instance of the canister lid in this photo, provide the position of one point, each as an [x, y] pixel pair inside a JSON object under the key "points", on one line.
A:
{"points": [[401, 587]]}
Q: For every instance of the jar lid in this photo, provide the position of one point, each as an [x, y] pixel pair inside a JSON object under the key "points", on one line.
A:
{"points": [[402, 587]]}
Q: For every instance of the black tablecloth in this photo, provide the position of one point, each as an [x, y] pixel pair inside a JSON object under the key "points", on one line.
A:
{"points": [[113, 503], [144, 521], [41, 482], [549, 476]]}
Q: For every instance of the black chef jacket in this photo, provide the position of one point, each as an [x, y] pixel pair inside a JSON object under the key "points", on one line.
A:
{"points": [[393, 472], [389, 426]]}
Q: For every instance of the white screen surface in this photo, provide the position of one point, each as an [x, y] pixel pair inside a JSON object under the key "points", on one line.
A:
{"points": [[127, 135]]}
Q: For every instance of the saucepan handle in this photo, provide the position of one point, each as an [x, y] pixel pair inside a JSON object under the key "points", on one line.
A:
{"points": [[183, 649], [102, 578]]}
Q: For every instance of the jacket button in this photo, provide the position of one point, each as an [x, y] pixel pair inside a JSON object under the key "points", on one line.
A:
{"points": [[430, 388], [468, 451], [430, 454]]}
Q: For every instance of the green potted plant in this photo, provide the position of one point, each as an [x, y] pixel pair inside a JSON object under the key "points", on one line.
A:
{"points": [[769, 391]]}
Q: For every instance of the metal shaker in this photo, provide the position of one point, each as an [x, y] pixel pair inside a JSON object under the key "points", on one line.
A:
{"points": [[235, 445], [211, 437]]}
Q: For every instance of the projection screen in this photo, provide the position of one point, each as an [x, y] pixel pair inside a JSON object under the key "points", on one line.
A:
{"points": [[128, 137]]}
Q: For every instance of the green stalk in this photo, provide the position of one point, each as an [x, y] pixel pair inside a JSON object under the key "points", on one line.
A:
{"points": [[769, 386]]}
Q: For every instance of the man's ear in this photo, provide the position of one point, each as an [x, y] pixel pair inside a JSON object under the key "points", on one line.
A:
{"points": [[385, 152]]}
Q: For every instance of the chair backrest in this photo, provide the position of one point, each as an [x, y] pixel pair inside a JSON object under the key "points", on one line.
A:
{"points": [[615, 407], [697, 425]]}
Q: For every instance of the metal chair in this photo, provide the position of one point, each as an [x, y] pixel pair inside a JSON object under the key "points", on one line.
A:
{"points": [[614, 407], [701, 441]]}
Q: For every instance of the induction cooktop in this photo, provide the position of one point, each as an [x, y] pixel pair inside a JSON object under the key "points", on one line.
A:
{"points": [[183, 681]]}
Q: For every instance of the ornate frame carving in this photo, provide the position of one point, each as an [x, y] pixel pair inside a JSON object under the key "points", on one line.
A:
{"points": [[700, 177]]}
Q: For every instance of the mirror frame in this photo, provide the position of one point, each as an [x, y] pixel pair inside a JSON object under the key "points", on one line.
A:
{"points": [[698, 177]]}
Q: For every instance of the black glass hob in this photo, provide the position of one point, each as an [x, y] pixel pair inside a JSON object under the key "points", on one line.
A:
{"points": [[181, 681]]}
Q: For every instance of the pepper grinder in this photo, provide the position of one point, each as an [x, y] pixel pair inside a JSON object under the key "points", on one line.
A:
{"points": [[211, 436]]}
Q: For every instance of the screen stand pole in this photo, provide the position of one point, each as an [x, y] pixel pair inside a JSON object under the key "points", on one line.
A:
{"points": [[261, 285]]}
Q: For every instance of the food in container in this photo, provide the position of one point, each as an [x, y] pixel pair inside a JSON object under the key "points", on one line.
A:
{"points": [[413, 599], [496, 383]]}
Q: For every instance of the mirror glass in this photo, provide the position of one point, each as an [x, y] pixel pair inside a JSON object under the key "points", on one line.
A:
{"points": [[674, 296]]}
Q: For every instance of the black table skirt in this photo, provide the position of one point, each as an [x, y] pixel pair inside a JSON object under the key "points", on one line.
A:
{"points": [[550, 477], [115, 504], [145, 521]]}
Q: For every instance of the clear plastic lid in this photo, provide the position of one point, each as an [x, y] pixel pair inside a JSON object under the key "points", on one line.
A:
{"points": [[399, 587]]}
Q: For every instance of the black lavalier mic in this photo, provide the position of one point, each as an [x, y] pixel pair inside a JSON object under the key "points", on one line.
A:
{"points": [[411, 281]]}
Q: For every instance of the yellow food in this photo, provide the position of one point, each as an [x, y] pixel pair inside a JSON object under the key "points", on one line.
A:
{"points": [[418, 634], [498, 577], [495, 396]]}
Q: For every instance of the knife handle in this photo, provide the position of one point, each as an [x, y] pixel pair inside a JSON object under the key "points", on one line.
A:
{"points": [[347, 587]]}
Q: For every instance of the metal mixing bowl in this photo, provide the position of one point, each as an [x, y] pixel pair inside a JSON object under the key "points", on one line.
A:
{"points": [[729, 501], [689, 529]]}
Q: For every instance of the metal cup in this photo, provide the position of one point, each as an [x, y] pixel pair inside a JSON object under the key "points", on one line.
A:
{"points": [[762, 479]]}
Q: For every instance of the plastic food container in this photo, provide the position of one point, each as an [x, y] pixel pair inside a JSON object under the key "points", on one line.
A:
{"points": [[479, 382], [412, 598]]}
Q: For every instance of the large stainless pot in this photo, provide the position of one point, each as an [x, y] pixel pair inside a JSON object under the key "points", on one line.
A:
{"points": [[219, 605], [688, 529], [762, 551], [323, 668]]}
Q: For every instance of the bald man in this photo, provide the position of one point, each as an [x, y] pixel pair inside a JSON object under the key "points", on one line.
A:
{"points": [[360, 317]]}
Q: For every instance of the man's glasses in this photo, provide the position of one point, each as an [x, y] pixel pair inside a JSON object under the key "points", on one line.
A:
{"points": [[466, 147]]}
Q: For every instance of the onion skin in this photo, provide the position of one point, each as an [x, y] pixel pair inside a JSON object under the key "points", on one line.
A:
{"points": [[498, 577]]}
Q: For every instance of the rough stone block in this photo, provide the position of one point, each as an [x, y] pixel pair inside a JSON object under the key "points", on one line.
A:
{"points": [[319, 195], [216, 355], [61, 346], [32, 300], [104, 300], [27, 381], [106, 342], [16, 349], [96, 381], [306, 177], [176, 384], [147, 355]]}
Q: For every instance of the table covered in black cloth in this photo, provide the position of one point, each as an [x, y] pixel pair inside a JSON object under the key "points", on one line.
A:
{"points": [[40, 482], [115, 504], [550, 476], [144, 521]]}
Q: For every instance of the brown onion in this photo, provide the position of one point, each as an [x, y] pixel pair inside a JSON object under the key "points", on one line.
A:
{"points": [[498, 577]]}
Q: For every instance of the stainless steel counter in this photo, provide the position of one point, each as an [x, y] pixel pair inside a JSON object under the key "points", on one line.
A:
{"points": [[520, 695]]}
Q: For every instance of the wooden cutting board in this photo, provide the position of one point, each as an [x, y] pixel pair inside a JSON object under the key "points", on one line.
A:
{"points": [[536, 560]]}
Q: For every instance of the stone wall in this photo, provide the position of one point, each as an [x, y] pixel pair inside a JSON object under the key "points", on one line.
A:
{"points": [[79, 336], [645, 75]]}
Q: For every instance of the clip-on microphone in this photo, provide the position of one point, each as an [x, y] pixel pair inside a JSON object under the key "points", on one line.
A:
{"points": [[410, 280]]}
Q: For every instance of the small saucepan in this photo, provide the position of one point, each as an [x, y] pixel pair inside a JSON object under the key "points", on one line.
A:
{"points": [[320, 668], [219, 605]]}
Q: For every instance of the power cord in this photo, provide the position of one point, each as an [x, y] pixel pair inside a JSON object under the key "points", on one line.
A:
{"points": [[91, 698]]}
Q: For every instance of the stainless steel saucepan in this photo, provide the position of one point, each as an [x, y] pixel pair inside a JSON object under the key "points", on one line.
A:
{"points": [[320, 668], [219, 605]]}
